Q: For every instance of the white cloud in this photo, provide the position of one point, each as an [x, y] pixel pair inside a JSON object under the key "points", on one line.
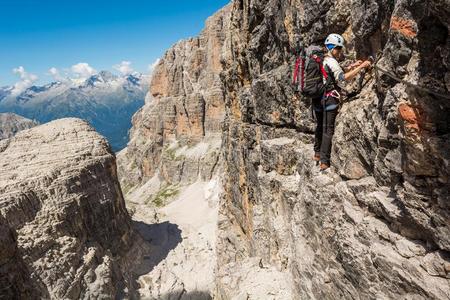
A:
{"points": [[124, 67], [53, 71], [83, 70], [56, 74], [26, 80], [153, 65]]}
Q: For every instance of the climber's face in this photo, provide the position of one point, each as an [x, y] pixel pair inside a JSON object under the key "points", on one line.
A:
{"points": [[336, 52]]}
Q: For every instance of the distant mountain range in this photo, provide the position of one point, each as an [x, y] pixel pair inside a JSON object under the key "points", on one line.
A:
{"points": [[105, 100]]}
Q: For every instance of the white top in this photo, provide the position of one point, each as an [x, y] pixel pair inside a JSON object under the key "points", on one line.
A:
{"points": [[333, 65]]}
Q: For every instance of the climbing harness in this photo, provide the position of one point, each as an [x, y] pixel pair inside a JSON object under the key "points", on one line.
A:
{"points": [[334, 94]]}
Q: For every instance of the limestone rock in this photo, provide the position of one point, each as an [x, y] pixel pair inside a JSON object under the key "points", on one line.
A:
{"points": [[14, 279], [170, 170], [375, 225], [11, 123], [177, 133], [65, 230], [181, 260]]}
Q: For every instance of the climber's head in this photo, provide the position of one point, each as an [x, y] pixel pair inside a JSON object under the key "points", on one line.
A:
{"points": [[334, 43]]}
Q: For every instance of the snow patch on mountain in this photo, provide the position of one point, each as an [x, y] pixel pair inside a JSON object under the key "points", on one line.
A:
{"points": [[104, 99]]}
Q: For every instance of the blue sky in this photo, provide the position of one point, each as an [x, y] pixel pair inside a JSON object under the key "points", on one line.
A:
{"points": [[43, 34]]}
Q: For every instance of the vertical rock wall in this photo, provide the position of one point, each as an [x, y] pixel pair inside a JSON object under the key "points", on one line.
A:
{"points": [[374, 226], [177, 134]]}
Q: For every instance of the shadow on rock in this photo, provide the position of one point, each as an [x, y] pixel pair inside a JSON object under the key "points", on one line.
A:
{"points": [[183, 295], [161, 239]]}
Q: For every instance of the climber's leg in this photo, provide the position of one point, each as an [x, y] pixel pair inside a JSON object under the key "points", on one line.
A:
{"points": [[328, 130], [318, 134]]}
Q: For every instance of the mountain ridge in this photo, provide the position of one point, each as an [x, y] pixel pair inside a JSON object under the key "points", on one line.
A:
{"points": [[105, 100], [10, 124]]}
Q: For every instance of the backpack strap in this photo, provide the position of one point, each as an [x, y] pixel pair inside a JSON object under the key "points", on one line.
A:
{"points": [[322, 69], [297, 66], [302, 79], [331, 82]]}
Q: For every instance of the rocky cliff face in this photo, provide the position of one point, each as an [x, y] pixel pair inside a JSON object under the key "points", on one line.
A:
{"points": [[65, 232], [11, 123], [374, 226], [169, 170], [177, 133]]}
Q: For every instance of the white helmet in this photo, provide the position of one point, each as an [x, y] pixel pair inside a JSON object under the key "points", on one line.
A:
{"points": [[335, 39]]}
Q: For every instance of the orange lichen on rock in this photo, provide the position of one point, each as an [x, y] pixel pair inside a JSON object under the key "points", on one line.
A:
{"points": [[404, 26], [410, 115]]}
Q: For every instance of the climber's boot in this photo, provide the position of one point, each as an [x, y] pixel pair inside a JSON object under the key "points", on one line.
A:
{"points": [[324, 166]]}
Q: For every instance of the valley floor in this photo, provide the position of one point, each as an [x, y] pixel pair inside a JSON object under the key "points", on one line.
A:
{"points": [[181, 258]]}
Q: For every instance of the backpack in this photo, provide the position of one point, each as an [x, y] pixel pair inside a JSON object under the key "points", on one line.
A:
{"points": [[309, 73]]}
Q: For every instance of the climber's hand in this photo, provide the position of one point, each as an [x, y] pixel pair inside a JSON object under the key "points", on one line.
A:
{"points": [[354, 65], [357, 63], [366, 64]]}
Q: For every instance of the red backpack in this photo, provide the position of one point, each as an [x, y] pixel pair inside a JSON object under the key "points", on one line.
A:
{"points": [[310, 77]]}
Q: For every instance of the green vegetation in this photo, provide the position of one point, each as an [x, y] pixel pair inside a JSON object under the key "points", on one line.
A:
{"points": [[171, 154], [163, 194], [126, 189]]}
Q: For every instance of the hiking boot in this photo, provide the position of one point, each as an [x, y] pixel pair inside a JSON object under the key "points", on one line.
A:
{"points": [[324, 166], [316, 157]]}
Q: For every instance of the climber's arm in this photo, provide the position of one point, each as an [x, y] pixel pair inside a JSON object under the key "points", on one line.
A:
{"points": [[353, 65], [352, 74]]}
